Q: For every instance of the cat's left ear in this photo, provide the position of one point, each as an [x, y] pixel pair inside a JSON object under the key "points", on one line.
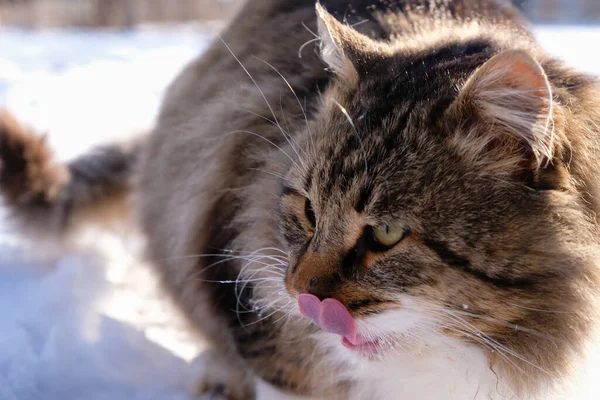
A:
{"points": [[345, 50], [511, 96]]}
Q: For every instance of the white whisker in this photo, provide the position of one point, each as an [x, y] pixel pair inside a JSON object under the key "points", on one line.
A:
{"points": [[362, 147], [264, 98], [306, 44], [297, 99], [310, 30], [265, 139]]}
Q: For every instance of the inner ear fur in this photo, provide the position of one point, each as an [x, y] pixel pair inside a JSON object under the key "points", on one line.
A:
{"points": [[346, 51], [508, 101]]}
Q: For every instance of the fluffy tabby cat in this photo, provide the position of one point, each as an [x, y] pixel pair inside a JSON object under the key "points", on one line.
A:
{"points": [[406, 210]]}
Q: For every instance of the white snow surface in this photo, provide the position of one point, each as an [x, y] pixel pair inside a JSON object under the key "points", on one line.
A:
{"points": [[89, 322]]}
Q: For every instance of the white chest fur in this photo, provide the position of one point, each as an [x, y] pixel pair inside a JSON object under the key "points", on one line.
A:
{"points": [[444, 370], [424, 364]]}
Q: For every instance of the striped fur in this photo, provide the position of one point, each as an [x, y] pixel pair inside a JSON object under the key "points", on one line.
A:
{"points": [[267, 173]]}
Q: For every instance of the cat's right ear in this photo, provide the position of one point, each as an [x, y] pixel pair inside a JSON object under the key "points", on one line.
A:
{"points": [[345, 51]]}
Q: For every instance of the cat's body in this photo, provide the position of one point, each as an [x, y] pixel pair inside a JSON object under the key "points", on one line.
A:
{"points": [[267, 176]]}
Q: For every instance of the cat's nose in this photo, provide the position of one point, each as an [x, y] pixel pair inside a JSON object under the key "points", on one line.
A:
{"points": [[315, 273], [322, 287]]}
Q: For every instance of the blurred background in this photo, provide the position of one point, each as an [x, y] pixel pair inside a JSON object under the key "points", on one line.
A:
{"points": [[87, 72], [128, 13], [561, 11], [111, 13]]}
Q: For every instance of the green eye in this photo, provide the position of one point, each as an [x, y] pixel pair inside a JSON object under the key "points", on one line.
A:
{"points": [[388, 236]]}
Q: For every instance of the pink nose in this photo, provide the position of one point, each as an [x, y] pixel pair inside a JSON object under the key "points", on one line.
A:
{"points": [[331, 315]]}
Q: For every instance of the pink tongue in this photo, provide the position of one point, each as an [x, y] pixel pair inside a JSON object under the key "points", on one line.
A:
{"points": [[310, 307], [331, 315]]}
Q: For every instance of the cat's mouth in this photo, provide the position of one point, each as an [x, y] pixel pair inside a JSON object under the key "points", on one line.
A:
{"points": [[333, 317]]}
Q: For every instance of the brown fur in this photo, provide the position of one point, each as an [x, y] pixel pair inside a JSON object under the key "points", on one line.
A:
{"points": [[494, 181], [27, 172], [49, 199]]}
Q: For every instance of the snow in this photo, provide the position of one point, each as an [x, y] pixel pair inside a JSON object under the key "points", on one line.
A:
{"points": [[89, 322], [86, 87], [574, 44]]}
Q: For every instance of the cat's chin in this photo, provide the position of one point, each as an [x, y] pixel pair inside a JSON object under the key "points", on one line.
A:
{"points": [[364, 348], [333, 317]]}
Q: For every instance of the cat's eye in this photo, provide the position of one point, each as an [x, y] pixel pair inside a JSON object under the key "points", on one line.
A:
{"points": [[388, 236], [310, 213]]}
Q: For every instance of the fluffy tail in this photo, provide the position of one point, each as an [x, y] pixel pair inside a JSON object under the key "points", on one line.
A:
{"points": [[52, 198]]}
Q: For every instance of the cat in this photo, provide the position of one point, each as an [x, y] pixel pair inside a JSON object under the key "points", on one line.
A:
{"points": [[390, 199]]}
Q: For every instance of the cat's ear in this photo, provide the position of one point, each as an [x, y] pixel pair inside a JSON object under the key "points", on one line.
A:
{"points": [[344, 50], [510, 95]]}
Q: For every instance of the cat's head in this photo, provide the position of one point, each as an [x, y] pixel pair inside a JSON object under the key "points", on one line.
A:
{"points": [[432, 196]]}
